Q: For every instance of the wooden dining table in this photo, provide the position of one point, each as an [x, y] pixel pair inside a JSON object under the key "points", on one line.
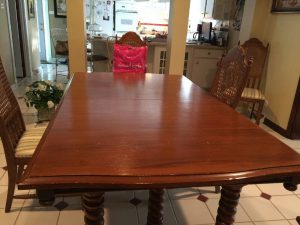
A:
{"points": [[152, 131]]}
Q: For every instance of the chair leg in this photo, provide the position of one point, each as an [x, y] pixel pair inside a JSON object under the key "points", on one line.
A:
{"points": [[252, 110], [10, 191], [259, 111]]}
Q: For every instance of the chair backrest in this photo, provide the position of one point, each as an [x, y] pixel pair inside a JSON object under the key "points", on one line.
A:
{"points": [[230, 79], [131, 38], [130, 54], [12, 124], [255, 49], [59, 39]]}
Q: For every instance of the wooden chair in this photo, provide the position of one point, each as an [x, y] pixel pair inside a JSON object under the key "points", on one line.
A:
{"points": [[18, 143], [255, 49], [131, 38], [132, 58], [230, 80]]}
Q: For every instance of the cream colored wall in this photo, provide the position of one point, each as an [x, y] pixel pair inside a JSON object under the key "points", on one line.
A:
{"points": [[177, 31], [76, 35], [282, 32]]}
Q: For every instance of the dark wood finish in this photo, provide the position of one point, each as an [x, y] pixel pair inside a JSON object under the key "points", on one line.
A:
{"points": [[12, 128], [278, 129], [155, 207], [294, 121], [231, 77], [152, 132], [256, 51], [227, 205], [131, 38], [92, 203]]}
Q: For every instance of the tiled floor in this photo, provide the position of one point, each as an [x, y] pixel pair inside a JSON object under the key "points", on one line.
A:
{"points": [[182, 206]]}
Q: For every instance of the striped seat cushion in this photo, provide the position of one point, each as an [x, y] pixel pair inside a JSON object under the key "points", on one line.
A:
{"points": [[253, 93], [29, 141]]}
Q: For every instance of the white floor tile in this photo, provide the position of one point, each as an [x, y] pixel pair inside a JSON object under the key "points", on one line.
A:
{"points": [[298, 190], [73, 200], [288, 205], [169, 217], [209, 192], [9, 218], [120, 213], [293, 222], [274, 189], [2, 157], [191, 211], [34, 202], [247, 223], [184, 193], [38, 216], [240, 216], [71, 217], [292, 143], [250, 191], [119, 196], [4, 179], [17, 203], [260, 209], [143, 195], [279, 222]]}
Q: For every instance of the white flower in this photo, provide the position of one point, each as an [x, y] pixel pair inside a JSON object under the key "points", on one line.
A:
{"points": [[60, 86], [50, 104], [42, 87], [27, 89]]}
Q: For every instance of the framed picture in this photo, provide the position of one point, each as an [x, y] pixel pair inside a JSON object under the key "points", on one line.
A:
{"points": [[286, 6], [60, 8], [31, 8]]}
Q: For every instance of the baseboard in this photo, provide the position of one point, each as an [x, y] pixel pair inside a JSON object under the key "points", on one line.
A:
{"points": [[277, 128]]}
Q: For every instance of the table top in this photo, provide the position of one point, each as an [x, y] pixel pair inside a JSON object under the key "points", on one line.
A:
{"points": [[150, 130]]}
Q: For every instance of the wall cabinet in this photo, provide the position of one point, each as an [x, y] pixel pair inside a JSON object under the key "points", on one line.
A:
{"points": [[204, 66]]}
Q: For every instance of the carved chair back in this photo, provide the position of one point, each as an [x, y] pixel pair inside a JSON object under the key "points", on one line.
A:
{"points": [[255, 49], [12, 125], [230, 80], [132, 39]]}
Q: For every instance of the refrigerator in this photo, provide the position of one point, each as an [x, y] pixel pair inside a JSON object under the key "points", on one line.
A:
{"points": [[100, 16]]}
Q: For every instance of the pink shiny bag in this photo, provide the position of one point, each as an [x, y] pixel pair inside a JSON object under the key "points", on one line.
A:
{"points": [[129, 59]]}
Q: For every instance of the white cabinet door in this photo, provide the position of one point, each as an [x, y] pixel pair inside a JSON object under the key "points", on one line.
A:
{"points": [[160, 59], [205, 66], [209, 9]]}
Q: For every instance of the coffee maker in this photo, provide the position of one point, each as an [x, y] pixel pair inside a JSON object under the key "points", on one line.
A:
{"points": [[197, 35]]}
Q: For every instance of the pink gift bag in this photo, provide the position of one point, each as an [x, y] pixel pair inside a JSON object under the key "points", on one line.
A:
{"points": [[129, 59]]}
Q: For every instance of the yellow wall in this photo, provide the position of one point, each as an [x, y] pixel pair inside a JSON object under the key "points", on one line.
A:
{"points": [[76, 36], [282, 32], [177, 31]]}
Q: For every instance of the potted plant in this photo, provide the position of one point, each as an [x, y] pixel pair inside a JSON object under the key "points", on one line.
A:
{"points": [[44, 96]]}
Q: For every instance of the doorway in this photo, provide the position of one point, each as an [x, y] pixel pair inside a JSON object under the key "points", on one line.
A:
{"points": [[44, 31]]}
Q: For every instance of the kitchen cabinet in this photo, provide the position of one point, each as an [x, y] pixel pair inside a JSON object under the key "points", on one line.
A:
{"points": [[204, 66], [222, 9], [160, 60]]}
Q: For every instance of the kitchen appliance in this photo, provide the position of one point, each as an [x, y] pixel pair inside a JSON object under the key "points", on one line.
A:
{"points": [[126, 17], [197, 35], [206, 32]]}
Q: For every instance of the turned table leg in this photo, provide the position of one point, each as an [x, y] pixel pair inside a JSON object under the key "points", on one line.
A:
{"points": [[155, 207], [92, 204], [227, 205]]}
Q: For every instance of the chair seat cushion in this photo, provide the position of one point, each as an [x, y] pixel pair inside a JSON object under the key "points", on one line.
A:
{"points": [[252, 93], [29, 141]]}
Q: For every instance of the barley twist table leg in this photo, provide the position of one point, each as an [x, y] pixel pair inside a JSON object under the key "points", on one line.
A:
{"points": [[92, 204], [155, 207], [227, 205]]}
